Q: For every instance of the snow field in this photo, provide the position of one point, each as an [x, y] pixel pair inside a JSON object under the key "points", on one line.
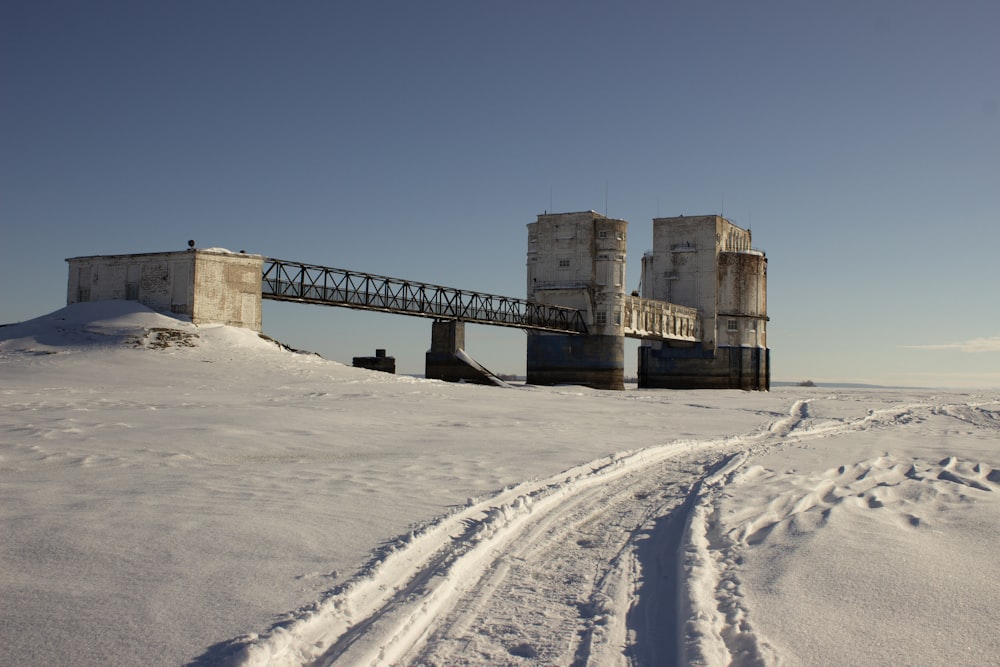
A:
{"points": [[888, 555], [172, 494]]}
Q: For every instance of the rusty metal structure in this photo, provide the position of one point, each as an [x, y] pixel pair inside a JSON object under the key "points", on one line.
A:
{"points": [[307, 283]]}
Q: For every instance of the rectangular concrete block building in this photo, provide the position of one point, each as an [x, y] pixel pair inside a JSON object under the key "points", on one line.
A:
{"points": [[212, 286]]}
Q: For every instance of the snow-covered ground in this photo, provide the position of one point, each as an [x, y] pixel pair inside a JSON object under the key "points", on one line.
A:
{"points": [[172, 494]]}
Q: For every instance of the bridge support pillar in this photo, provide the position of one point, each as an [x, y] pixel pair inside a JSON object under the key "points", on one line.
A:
{"points": [[591, 361], [447, 359]]}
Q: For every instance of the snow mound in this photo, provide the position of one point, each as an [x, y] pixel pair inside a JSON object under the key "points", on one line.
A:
{"points": [[115, 324]]}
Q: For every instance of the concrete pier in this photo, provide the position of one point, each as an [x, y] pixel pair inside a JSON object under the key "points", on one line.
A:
{"points": [[592, 361], [447, 360]]}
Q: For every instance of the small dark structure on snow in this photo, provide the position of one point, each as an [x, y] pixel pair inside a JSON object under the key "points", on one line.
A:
{"points": [[379, 362]]}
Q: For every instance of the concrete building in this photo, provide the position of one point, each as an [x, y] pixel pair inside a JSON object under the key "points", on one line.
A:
{"points": [[577, 260], [211, 286], [708, 263]]}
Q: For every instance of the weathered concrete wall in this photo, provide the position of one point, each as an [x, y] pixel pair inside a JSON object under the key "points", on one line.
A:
{"points": [[577, 260], [160, 281], [682, 268], [227, 288], [742, 299], [210, 286]]}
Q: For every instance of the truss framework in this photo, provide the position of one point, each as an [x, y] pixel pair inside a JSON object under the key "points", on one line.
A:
{"points": [[307, 283]]}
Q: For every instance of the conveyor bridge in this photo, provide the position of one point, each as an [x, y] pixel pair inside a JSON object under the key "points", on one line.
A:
{"points": [[308, 283]]}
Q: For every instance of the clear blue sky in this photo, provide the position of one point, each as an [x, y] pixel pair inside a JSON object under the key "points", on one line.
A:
{"points": [[859, 140]]}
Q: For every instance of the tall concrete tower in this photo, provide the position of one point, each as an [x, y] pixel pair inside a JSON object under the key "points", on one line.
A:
{"points": [[708, 263], [577, 260]]}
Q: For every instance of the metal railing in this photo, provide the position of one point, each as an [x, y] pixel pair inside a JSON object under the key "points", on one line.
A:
{"points": [[307, 283]]}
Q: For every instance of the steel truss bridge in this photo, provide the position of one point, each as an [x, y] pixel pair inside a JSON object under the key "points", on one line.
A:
{"points": [[307, 283]]}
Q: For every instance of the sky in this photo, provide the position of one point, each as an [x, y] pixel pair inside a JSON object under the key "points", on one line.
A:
{"points": [[860, 141]]}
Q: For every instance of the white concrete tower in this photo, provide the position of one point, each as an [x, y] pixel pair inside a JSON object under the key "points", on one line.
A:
{"points": [[577, 260]]}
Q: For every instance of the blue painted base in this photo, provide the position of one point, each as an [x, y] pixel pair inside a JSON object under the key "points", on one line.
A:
{"points": [[747, 368], [591, 361]]}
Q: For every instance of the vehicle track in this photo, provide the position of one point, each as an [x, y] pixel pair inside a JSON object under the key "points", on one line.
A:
{"points": [[521, 610], [547, 571]]}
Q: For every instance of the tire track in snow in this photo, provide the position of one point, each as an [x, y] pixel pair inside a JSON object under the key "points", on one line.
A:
{"points": [[572, 608], [529, 561], [490, 582], [716, 628], [383, 615]]}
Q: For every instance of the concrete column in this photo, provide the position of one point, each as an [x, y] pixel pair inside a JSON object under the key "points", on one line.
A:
{"points": [[447, 336], [442, 361]]}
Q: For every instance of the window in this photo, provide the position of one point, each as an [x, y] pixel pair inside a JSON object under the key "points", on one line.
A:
{"points": [[753, 325], [563, 263], [603, 234], [600, 318], [731, 325]]}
